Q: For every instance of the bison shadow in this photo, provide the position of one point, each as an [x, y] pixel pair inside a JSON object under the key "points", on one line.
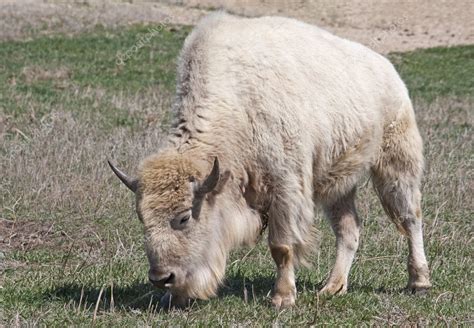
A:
{"points": [[143, 296], [248, 289], [136, 296], [238, 285]]}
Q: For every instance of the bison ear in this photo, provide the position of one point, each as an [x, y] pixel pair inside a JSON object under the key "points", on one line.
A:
{"points": [[212, 179], [131, 184]]}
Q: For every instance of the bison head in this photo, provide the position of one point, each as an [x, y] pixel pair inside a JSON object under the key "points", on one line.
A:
{"points": [[189, 226]]}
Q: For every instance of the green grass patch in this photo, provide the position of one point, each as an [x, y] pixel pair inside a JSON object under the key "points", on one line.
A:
{"points": [[50, 71], [437, 72], [92, 59]]}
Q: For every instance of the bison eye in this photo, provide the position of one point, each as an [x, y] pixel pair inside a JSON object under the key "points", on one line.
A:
{"points": [[185, 219], [181, 220]]}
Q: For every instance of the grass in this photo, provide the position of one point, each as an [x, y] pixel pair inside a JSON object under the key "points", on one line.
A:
{"points": [[71, 246], [436, 72]]}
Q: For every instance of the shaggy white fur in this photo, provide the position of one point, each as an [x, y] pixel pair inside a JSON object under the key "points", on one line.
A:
{"points": [[295, 116]]}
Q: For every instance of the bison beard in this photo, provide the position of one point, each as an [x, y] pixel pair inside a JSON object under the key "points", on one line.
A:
{"points": [[272, 118]]}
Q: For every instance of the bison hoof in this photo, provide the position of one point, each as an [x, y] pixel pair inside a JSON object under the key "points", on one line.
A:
{"points": [[280, 301], [420, 286], [333, 289], [169, 302], [418, 290]]}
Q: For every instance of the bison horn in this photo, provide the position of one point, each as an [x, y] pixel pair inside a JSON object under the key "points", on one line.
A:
{"points": [[131, 184], [211, 181], [205, 187]]}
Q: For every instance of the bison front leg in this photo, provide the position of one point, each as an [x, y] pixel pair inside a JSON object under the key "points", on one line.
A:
{"points": [[345, 224], [284, 293], [290, 231]]}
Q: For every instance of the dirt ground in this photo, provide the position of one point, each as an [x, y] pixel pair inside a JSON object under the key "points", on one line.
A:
{"points": [[380, 24]]}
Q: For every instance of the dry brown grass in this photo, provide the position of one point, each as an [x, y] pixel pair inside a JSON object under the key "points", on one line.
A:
{"points": [[33, 74], [449, 145], [23, 19], [54, 170]]}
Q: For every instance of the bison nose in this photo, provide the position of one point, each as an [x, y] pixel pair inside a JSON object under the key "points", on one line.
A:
{"points": [[162, 281]]}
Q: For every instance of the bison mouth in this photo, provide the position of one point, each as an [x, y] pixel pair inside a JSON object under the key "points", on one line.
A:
{"points": [[196, 284], [164, 282]]}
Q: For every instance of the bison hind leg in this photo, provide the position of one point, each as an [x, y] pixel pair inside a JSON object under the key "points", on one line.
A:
{"points": [[396, 179]]}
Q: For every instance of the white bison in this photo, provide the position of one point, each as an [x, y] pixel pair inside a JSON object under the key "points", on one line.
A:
{"points": [[274, 116]]}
